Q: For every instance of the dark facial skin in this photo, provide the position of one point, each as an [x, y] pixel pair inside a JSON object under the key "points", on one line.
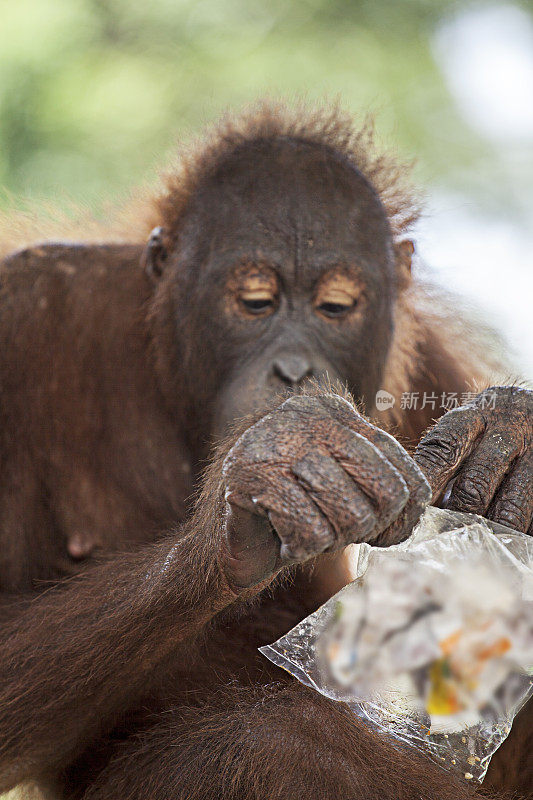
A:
{"points": [[297, 278]]}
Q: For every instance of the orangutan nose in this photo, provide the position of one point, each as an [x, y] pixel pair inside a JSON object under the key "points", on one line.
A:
{"points": [[292, 370]]}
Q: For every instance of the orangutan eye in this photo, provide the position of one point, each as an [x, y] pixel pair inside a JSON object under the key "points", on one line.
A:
{"points": [[254, 291], [257, 305], [335, 309], [337, 294]]}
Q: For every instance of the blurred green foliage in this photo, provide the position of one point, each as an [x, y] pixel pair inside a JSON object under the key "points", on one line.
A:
{"points": [[94, 93]]}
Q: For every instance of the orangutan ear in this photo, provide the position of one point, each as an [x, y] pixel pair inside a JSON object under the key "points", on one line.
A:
{"points": [[155, 254], [404, 251]]}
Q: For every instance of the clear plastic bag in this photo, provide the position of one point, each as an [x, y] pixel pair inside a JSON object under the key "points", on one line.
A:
{"points": [[433, 641]]}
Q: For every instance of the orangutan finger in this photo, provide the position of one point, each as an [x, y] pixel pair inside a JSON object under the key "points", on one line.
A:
{"points": [[513, 504], [419, 492], [304, 531], [373, 473], [444, 448], [482, 472], [387, 445], [346, 507]]}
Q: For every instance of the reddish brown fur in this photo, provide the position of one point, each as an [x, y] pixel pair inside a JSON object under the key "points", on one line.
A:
{"points": [[118, 682], [330, 129]]}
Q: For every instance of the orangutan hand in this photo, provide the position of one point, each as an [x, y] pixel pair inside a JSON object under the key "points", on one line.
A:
{"points": [[486, 448], [314, 476]]}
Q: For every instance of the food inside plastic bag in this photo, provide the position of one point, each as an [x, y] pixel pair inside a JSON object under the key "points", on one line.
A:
{"points": [[433, 641]]}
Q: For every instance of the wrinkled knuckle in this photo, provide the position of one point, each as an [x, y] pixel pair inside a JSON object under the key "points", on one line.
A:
{"points": [[472, 491], [511, 512], [440, 450]]}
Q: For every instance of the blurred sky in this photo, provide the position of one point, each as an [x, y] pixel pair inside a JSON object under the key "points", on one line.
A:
{"points": [[94, 94]]}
